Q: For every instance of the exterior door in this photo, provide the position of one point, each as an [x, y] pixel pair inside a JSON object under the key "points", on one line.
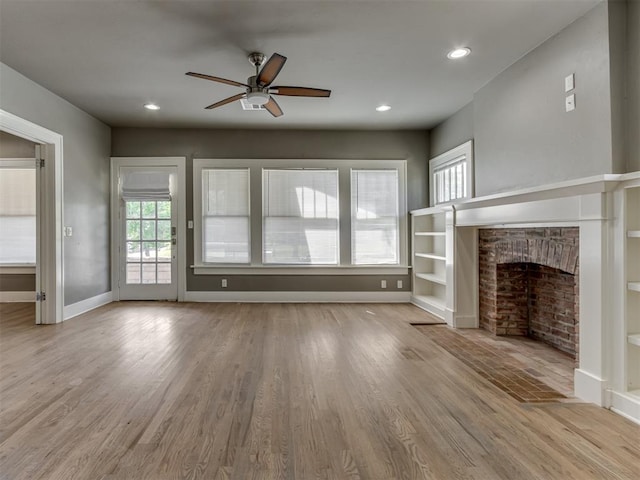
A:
{"points": [[148, 239]]}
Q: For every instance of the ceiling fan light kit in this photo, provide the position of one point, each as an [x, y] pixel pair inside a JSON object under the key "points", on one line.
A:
{"points": [[258, 89]]}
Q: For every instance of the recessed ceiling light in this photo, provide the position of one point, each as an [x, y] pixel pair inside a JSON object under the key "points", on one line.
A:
{"points": [[383, 108], [459, 53], [151, 106]]}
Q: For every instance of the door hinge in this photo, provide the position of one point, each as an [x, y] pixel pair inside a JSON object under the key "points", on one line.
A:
{"points": [[39, 162], [41, 296]]}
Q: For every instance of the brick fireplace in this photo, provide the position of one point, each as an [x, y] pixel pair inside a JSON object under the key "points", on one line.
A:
{"points": [[528, 279]]}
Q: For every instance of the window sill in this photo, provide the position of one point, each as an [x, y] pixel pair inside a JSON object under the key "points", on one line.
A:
{"points": [[300, 270], [17, 269]]}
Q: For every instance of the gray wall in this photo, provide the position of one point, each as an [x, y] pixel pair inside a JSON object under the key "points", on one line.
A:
{"points": [[523, 136], [16, 147], [86, 180], [406, 145], [454, 131], [633, 86]]}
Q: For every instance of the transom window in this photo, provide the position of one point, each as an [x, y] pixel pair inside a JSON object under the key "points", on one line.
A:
{"points": [[451, 175], [274, 214]]}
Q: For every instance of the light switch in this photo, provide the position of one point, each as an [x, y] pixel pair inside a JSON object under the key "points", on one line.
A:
{"points": [[570, 103], [68, 231], [569, 82], [190, 224]]}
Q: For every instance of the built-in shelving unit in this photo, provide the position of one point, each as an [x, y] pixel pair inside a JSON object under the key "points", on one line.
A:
{"points": [[632, 307], [429, 260]]}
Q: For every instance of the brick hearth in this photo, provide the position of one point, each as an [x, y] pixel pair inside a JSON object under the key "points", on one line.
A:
{"points": [[528, 284]]}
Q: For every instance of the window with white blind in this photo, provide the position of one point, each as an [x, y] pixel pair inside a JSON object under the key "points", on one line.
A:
{"points": [[300, 210], [313, 216], [374, 217], [451, 175], [18, 212], [225, 216]]}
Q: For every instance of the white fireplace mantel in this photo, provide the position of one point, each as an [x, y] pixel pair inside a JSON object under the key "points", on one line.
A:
{"points": [[595, 205]]}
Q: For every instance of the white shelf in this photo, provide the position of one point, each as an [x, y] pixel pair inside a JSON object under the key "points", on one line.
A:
{"points": [[431, 304], [634, 339], [633, 234], [432, 278], [431, 255], [430, 234], [634, 286]]}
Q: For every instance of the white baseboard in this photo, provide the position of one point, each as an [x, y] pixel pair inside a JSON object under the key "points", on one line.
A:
{"points": [[83, 306], [626, 405], [465, 321], [299, 297], [590, 388], [22, 297]]}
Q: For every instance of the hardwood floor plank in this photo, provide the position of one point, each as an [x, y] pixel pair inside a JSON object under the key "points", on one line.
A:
{"points": [[158, 391]]}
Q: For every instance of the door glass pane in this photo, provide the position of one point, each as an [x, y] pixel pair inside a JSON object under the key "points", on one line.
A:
{"points": [[164, 251], [149, 273], [133, 229], [133, 251], [133, 209], [133, 273], [164, 209], [164, 229], [148, 251], [148, 209], [164, 273], [148, 229]]}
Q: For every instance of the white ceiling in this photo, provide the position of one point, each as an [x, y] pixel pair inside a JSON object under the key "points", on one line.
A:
{"points": [[110, 57]]}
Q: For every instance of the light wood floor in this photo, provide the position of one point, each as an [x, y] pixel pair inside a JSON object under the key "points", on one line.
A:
{"points": [[164, 391]]}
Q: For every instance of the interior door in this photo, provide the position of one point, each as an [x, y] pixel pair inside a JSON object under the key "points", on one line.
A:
{"points": [[148, 238]]}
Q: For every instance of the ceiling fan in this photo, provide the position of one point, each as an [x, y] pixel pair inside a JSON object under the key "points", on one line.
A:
{"points": [[258, 87]]}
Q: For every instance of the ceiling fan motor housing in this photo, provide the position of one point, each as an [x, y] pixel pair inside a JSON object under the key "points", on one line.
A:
{"points": [[256, 95]]}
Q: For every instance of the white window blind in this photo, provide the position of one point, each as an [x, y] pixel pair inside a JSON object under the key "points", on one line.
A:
{"points": [[225, 215], [300, 216], [17, 215], [374, 217], [146, 185]]}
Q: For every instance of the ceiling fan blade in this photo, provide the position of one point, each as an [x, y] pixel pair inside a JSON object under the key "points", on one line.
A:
{"points": [[273, 107], [300, 92], [225, 101], [271, 70], [216, 79]]}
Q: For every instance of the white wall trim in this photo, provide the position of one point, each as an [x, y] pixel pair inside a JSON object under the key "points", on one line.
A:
{"points": [[51, 249], [22, 297], [299, 297], [626, 405], [590, 388], [84, 306]]}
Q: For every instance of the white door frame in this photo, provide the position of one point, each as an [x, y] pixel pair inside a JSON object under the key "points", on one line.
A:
{"points": [[181, 209], [51, 245]]}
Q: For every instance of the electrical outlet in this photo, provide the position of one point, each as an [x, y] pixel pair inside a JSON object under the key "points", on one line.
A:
{"points": [[190, 224], [383, 284], [224, 283], [570, 102], [68, 231], [399, 283]]}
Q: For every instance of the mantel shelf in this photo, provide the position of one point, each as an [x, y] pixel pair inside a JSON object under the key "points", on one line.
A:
{"points": [[430, 277], [431, 255], [634, 339], [429, 234], [634, 286], [633, 234]]}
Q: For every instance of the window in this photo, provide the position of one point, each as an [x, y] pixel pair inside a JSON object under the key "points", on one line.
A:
{"points": [[317, 216], [300, 216], [451, 175], [225, 215], [374, 217], [17, 212]]}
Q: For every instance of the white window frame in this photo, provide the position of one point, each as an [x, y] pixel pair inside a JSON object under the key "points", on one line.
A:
{"points": [[256, 267], [449, 158]]}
